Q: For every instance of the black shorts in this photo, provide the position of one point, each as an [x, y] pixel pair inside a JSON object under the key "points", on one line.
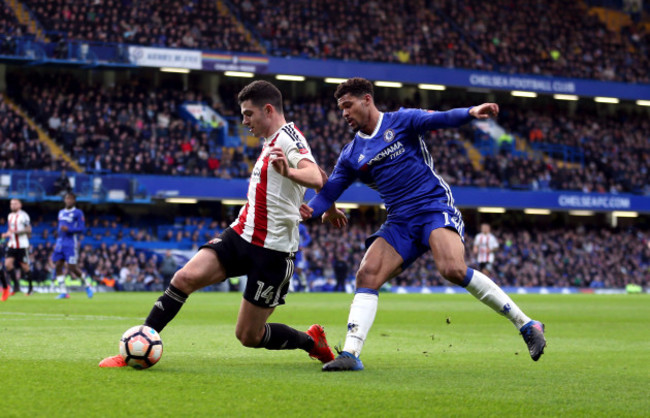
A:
{"points": [[484, 265], [19, 254], [269, 272]]}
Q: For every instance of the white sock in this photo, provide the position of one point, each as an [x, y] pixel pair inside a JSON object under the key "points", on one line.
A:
{"points": [[485, 290], [362, 315], [61, 281]]}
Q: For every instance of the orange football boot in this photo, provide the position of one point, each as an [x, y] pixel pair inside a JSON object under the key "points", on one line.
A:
{"points": [[321, 350], [114, 361]]}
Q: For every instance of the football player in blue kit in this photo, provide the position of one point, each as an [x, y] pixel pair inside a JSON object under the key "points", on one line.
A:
{"points": [[66, 250], [389, 155]]}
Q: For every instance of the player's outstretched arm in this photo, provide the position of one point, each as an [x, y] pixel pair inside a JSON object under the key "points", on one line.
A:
{"points": [[485, 111]]}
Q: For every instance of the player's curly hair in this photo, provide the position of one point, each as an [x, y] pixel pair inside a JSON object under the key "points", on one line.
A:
{"points": [[357, 87], [261, 92]]}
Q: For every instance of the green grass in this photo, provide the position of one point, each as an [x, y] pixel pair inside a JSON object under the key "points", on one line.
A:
{"points": [[597, 362]]}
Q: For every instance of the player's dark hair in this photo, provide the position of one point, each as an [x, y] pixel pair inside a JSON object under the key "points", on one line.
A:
{"points": [[357, 87], [260, 93], [70, 194]]}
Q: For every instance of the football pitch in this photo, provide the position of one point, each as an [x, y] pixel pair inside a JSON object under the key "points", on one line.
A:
{"points": [[427, 355]]}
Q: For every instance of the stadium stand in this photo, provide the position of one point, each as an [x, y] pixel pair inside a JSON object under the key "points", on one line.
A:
{"points": [[398, 31], [20, 147], [136, 129], [191, 24], [540, 256], [568, 41], [9, 27], [537, 256], [128, 129], [571, 40], [135, 126], [558, 38]]}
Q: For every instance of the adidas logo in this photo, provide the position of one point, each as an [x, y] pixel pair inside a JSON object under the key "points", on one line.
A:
{"points": [[159, 305], [361, 157]]}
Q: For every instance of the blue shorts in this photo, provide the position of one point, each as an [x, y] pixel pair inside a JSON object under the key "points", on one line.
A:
{"points": [[69, 253], [410, 237]]}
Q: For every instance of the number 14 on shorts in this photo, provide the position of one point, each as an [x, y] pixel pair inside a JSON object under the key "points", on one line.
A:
{"points": [[267, 293]]}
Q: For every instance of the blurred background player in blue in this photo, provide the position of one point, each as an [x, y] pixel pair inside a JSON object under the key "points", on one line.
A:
{"points": [[66, 249], [299, 281]]}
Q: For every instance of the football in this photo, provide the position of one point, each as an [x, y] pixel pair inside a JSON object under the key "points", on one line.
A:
{"points": [[141, 347]]}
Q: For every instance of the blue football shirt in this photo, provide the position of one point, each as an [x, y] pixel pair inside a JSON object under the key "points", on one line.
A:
{"points": [[74, 219], [394, 160]]}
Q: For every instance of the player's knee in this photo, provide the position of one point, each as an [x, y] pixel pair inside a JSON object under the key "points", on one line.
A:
{"points": [[185, 281], [367, 276], [454, 272], [248, 338]]}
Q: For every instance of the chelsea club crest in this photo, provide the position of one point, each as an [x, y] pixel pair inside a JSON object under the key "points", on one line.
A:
{"points": [[389, 135]]}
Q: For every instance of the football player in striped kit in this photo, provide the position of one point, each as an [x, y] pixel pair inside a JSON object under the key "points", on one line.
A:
{"points": [[262, 242], [17, 235], [388, 154]]}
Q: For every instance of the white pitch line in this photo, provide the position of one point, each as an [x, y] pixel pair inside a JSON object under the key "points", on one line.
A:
{"points": [[67, 316]]}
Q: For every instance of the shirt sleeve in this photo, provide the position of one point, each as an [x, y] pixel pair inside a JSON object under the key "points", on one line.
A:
{"points": [[79, 225], [23, 224], [428, 120], [295, 149]]}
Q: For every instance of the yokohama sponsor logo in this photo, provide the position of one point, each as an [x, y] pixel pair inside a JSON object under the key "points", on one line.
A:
{"points": [[394, 150]]}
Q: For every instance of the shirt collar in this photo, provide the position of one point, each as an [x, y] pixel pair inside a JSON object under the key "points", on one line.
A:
{"points": [[364, 136]]}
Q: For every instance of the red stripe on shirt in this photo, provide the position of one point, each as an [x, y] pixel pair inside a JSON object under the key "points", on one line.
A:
{"points": [[15, 228], [260, 222], [296, 128], [239, 228]]}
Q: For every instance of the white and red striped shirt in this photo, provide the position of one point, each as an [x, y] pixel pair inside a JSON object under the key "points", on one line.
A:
{"points": [[271, 216], [486, 244], [17, 223]]}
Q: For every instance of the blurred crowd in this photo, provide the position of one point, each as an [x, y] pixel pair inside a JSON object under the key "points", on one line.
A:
{"points": [[9, 26], [557, 38], [578, 256], [130, 128], [193, 24], [560, 38], [539, 256], [397, 31], [20, 147], [118, 266]]}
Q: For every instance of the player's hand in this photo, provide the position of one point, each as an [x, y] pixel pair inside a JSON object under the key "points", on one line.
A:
{"points": [[485, 111], [336, 217], [64, 228], [305, 212], [279, 161]]}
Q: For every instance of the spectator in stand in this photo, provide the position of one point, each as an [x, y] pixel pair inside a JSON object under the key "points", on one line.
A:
{"points": [[168, 268], [62, 184]]}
